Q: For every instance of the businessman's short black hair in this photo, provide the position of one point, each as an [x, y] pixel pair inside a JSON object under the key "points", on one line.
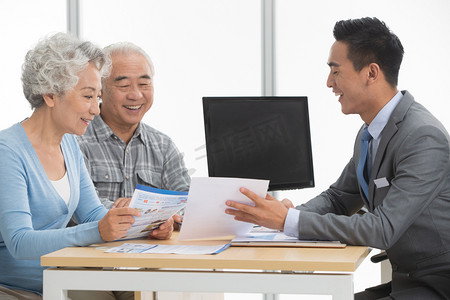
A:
{"points": [[369, 41]]}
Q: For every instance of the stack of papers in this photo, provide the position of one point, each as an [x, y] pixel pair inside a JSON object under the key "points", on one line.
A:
{"points": [[176, 249], [267, 238]]}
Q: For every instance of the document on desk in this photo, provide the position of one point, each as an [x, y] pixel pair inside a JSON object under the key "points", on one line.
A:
{"points": [[155, 206], [172, 249], [205, 217], [268, 239]]}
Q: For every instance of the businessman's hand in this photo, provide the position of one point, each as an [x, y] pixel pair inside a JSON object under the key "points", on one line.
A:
{"points": [[268, 212], [164, 231], [116, 223], [287, 203]]}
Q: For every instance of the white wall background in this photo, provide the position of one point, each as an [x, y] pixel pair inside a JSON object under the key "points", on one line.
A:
{"points": [[199, 48], [304, 37], [212, 47], [22, 24]]}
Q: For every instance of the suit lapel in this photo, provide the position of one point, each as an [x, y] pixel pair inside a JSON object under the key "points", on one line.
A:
{"points": [[387, 134]]}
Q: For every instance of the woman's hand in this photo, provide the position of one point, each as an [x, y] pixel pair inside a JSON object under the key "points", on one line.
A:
{"points": [[116, 223], [122, 202]]}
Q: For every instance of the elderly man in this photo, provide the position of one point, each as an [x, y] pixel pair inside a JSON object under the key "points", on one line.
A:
{"points": [[121, 151]]}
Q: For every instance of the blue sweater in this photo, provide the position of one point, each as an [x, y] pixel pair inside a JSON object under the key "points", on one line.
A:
{"points": [[33, 217]]}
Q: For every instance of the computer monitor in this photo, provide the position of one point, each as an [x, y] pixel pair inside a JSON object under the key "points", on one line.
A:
{"points": [[259, 137]]}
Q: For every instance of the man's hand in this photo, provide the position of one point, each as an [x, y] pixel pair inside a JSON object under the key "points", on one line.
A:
{"points": [[116, 223], [268, 212], [177, 222], [122, 202], [164, 231], [287, 203]]}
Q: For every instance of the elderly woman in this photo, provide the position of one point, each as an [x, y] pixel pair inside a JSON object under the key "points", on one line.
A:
{"points": [[43, 179]]}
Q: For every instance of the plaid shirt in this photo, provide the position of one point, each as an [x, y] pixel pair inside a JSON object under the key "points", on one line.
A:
{"points": [[150, 158]]}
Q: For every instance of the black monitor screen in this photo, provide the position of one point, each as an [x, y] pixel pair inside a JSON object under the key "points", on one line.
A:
{"points": [[259, 137]]}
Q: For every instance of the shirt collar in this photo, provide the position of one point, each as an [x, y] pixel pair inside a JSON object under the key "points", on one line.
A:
{"points": [[104, 132], [138, 133], [381, 119], [101, 129]]}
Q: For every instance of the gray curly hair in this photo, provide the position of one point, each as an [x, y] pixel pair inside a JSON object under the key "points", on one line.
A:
{"points": [[52, 66]]}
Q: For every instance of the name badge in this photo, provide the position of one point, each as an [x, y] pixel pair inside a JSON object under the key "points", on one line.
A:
{"points": [[381, 182]]}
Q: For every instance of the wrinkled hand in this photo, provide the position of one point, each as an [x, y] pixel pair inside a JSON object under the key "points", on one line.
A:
{"points": [[164, 231], [268, 212], [116, 223], [121, 202], [177, 222]]}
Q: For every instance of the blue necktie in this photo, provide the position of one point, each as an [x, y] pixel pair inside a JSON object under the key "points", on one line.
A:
{"points": [[362, 171]]}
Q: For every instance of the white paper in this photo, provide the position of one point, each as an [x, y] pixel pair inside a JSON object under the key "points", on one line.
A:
{"points": [[205, 216], [155, 206], [266, 237], [188, 249], [262, 235], [130, 248], [175, 249]]}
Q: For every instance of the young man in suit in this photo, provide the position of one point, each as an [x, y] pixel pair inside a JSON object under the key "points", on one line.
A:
{"points": [[399, 171]]}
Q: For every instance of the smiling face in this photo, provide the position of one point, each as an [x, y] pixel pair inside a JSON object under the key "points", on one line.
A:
{"points": [[347, 83], [127, 92], [76, 108]]}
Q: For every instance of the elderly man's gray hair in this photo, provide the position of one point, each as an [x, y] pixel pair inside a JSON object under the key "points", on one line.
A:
{"points": [[128, 48]]}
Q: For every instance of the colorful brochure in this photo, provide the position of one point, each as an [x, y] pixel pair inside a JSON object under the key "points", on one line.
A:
{"points": [[156, 207]]}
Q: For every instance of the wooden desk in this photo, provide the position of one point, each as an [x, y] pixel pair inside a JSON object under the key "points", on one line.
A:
{"points": [[268, 270]]}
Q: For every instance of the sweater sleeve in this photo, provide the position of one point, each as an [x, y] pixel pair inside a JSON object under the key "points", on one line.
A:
{"points": [[33, 221]]}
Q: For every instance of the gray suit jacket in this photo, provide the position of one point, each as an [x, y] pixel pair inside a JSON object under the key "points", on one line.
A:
{"points": [[410, 216]]}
